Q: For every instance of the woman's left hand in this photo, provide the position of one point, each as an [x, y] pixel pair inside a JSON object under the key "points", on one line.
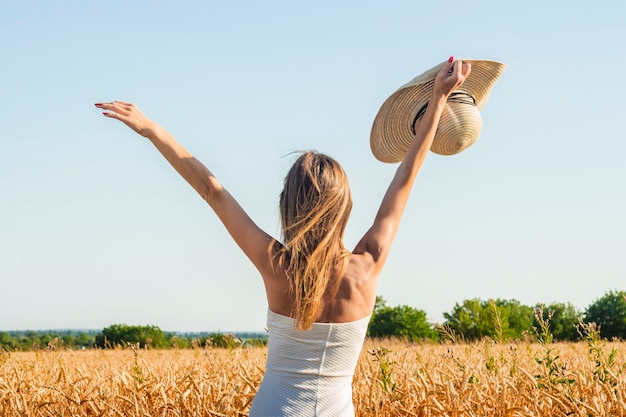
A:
{"points": [[451, 76]]}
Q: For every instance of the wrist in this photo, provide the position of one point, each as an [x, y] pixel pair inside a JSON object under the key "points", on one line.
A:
{"points": [[439, 99], [152, 131], [437, 103]]}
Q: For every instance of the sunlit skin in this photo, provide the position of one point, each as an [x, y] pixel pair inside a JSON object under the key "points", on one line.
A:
{"points": [[357, 290]]}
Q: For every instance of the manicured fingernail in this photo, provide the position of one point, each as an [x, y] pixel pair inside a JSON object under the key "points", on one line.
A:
{"points": [[98, 104], [451, 59]]}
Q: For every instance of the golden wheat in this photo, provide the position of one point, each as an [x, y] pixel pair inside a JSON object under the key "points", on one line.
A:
{"points": [[392, 379]]}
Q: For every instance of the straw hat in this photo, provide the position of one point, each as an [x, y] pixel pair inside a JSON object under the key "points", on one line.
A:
{"points": [[460, 123]]}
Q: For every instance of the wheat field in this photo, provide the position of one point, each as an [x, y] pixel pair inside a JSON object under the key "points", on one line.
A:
{"points": [[392, 379]]}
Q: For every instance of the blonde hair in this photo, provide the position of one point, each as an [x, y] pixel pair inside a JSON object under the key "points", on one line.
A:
{"points": [[314, 208]]}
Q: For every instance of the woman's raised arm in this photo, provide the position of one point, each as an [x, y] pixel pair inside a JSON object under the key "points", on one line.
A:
{"points": [[377, 240], [255, 243]]}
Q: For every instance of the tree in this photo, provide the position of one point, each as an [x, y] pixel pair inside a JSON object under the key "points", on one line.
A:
{"points": [[84, 340], [7, 342], [563, 321], [470, 319], [498, 319], [400, 321], [609, 312], [121, 334], [517, 318]]}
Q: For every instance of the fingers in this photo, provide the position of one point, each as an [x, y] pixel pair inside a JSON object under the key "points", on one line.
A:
{"points": [[462, 68], [118, 107], [456, 70], [448, 67], [456, 64], [129, 114], [115, 105], [111, 115], [466, 69], [451, 76]]}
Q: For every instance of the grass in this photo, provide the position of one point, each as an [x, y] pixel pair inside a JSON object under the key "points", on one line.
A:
{"points": [[392, 379]]}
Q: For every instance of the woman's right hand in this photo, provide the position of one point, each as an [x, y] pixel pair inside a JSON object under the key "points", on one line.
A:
{"points": [[451, 76], [131, 116]]}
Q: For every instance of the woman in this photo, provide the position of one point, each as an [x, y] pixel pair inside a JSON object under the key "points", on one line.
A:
{"points": [[320, 296]]}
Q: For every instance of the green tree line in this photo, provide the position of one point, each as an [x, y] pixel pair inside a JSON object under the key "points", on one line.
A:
{"points": [[472, 319], [123, 336], [502, 320], [36, 340]]}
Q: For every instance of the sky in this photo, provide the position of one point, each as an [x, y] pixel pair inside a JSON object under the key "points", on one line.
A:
{"points": [[97, 229]]}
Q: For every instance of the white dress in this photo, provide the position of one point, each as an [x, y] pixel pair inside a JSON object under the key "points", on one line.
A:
{"points": [[309, 373]]}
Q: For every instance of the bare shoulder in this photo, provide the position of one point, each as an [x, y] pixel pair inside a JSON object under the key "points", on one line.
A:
{"points": [[276, 282]]}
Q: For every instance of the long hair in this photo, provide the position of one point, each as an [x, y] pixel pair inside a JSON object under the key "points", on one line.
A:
{"points": [[314, 208]]}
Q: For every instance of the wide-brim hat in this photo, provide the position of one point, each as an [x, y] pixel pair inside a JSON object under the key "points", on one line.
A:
{"points": [[460, 123]]}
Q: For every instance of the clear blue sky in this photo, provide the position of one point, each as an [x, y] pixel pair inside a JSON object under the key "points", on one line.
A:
{"points": [[96, 228]]}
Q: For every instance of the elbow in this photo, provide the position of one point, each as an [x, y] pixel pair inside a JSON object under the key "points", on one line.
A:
{"points": [[211, 191]]}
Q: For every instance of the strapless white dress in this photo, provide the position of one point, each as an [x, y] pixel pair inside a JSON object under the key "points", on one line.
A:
{"points": [[309, 373]]}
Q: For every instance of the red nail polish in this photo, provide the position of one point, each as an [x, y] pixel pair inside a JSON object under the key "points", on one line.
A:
{"points": [[451, 59], [98, 104]]}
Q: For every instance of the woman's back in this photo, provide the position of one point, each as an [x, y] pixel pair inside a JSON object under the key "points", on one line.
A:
{"points": [[347, 298]]}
